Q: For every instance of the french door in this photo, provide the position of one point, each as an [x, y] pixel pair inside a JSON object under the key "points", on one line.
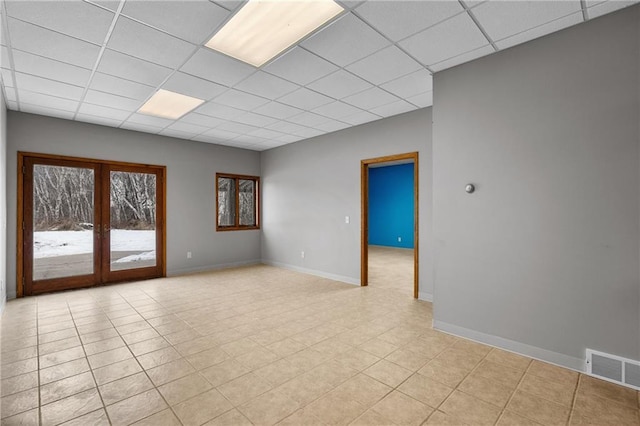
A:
{"points": [[88, 222]]}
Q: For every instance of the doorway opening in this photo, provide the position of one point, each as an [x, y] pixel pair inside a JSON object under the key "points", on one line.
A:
{"points": [[394, 256], [84, 222]]}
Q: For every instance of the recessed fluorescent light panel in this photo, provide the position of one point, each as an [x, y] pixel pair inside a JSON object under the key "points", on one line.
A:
{"points": [[262, 29], [168, 104]]}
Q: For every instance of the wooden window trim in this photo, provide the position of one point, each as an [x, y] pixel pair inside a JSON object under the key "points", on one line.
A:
{"points": [[256, 202]]}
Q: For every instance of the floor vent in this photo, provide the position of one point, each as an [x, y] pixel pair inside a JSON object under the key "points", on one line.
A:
{"points": [[622, 371]]}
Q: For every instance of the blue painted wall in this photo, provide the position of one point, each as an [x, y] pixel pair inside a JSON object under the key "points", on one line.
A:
{"points": [[391, 206]]}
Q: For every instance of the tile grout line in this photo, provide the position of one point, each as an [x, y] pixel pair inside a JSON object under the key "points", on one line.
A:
{"points": [[575, 398], [104, 407]]}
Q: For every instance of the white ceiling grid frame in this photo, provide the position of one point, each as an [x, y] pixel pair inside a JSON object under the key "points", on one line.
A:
{"points": [[504, 19], [376, 97]]}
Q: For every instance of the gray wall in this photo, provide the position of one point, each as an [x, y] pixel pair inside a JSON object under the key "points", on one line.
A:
{"points": [[309, 187], [191, 169], [3, 202], [544, 257]]}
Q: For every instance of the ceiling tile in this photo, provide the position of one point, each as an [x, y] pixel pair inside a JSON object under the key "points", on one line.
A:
{"points": [[121, 87], [541, 30], [48, 87], [450, 38], [266, 134], [308, 119], [200, 120], [307, 132], [501, 19], [399, 22], [266, 85], [285, 127], [49, 112], [4, 58], [121, 65], [107, 4], [361, 118], [181, 126], [277, 110], [305, 99], [112, 101], [206, 139], [300, 66], [220, 111], [100, 111], [103, 121], [465, 57], [336, 110], [597, 8], [239, 128], [74, 18], [11, 94], [332, 126], [149, 120], [288, 138], [394, 108], [219, 134], [255, 119], [177, 134], [422, 100], [241, 100], [193, 86], [47, 68], [140, 127], [144, 42], [384, 65], [245, 141], [7, 78], [340, 84], [371, 98], [47, 101], [263, 146], [193, 21], [345, 41], [409, 85], [49, 44], [217, 67]]}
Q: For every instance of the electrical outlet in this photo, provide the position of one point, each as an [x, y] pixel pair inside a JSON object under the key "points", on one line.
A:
{"points": [[302, 254], [188, 255], [347, 219], [399, 239]]}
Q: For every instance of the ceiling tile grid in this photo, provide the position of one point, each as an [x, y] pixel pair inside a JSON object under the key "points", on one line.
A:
{"points": [[99, 61]]}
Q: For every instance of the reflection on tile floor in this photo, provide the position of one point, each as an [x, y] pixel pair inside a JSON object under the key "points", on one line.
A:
{"points": [[262, 345]]}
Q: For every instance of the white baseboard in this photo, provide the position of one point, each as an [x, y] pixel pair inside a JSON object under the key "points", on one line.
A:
{"points": [[184, 271], [427, 297], [335, 277], [534, 352]]}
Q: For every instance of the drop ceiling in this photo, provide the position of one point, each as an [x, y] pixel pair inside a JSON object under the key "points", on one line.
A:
{"points": [[99, 61]]}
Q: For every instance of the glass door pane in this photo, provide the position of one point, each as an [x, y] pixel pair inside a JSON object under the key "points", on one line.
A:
{"points": [[132, 213], [63, 216]]}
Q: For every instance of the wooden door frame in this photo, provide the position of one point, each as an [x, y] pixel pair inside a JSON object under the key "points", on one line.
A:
{"points": [[364, 219], [161, 204]]}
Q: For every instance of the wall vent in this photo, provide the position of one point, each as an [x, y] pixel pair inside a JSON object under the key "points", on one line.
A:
{"points": [[612, 368]]}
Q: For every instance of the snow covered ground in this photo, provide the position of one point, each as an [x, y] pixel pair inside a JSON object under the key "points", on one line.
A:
{"points": [[64, 243]]}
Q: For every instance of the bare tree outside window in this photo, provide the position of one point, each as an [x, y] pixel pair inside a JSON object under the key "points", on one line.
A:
{"points": [[237, 202]]}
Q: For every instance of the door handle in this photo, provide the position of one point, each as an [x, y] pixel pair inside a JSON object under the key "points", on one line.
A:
{"points": [[105, 228]]}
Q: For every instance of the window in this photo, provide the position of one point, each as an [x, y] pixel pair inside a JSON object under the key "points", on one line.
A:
{"points": [[236, 202]]}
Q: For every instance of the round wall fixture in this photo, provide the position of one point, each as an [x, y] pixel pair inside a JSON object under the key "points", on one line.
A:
{"points": [[470, 188]]}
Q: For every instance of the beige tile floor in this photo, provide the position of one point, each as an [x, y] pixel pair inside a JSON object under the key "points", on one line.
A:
{"points": [[391, 268], [262, 345]]}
